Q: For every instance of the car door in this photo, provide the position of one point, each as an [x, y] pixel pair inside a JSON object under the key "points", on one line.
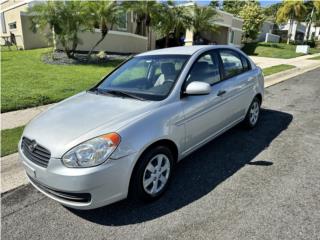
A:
{"points": [[204, 114], [237, 84]]}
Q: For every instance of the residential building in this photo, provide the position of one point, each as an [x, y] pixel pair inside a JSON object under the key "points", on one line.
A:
{"points": [[128, 37], [314, 32], [299, 31], [121, 39], [265, 28], [229, 31], [14, 19]]}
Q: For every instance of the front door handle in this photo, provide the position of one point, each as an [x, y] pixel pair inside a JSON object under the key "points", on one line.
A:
{"points": [[221, 92]]}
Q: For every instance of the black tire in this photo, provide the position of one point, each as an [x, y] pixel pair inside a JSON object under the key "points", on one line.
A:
{"points": [[248, 121], [137, 191]]}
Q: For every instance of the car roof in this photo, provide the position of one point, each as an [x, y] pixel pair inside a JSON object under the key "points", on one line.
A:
{"points": [[184, 50]]}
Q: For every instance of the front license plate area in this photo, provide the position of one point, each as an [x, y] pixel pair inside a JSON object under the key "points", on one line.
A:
{"points": [[29, 170]]}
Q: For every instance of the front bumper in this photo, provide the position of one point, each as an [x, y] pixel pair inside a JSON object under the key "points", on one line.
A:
{"points": [[81, 188]]}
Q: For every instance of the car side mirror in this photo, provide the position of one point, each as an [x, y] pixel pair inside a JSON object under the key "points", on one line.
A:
{"points": [[198, 88]]}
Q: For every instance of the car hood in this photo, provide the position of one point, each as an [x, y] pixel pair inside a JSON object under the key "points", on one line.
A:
{"points": [[82, 117]]}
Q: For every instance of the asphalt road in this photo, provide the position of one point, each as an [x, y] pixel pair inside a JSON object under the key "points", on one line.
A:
{"points": [[258, 184]]}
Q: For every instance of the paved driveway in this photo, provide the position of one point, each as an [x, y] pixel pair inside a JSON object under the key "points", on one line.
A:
{"points": [[259, 184]]}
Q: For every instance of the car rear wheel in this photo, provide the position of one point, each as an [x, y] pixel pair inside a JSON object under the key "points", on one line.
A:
{"points": [[253, 114], [152, 174]]}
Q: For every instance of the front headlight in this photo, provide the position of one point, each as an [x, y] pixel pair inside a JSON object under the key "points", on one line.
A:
{"points": [[92, 152]]}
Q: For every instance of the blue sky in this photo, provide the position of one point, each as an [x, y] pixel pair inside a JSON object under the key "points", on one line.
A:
{"points": [[268, 2]]}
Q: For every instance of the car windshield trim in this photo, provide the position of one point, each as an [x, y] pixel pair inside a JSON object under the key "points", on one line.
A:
{"points": [[117, 92]]}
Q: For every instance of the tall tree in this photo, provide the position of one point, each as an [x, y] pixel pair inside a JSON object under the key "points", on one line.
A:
{"points": [[146, 12], [253, 18], [312, 15], [291, 11], [64, 19], [271, 11], [102, 15], [172, 19], [202, 19], [233, 7], [214, 4]]}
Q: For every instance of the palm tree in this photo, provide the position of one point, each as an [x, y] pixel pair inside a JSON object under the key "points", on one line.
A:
{"points": [[145, 12], [44, 15], [202, 19], [313, 9], [290, 10], [64, 19], [172, 19], [102, 15]]}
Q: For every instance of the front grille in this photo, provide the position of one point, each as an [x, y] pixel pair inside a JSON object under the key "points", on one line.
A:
{"points": [[72, 197], [35, 153]]}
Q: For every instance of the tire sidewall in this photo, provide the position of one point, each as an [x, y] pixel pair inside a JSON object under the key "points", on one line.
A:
{"points": [[247, 119], [136, 188]]}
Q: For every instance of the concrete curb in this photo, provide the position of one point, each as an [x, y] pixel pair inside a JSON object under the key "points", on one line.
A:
{"points": [[285, 75], [21, 117], [12, 173]]}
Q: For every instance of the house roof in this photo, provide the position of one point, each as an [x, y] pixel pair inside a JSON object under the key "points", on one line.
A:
{"points": [[184, 50]]}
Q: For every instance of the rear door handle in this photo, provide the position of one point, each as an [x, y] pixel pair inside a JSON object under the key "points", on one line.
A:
{"points": [[221, 92]]}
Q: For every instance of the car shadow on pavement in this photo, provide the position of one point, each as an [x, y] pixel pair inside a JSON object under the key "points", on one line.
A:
{"points": [[199, 173]]}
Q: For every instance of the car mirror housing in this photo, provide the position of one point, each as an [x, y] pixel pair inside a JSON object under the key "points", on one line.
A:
{"points": [[198, 88]]}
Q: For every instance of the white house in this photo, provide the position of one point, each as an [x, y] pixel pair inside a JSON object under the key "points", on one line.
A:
{"points": [[265, 28], [229, 30], [299, 31]]}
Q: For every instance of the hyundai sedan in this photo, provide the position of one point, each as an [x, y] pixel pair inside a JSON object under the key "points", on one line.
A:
{"points": [[124, 136]]}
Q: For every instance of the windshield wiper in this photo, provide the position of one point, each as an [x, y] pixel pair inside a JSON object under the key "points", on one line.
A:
{"points": [[118, 92]]}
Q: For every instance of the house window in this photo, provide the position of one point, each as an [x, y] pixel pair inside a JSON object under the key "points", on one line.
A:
{"points": [[123, 19], [13, 25]]}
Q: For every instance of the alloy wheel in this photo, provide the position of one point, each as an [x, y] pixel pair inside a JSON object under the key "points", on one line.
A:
{"points": [[156, 174], [254, 113]]}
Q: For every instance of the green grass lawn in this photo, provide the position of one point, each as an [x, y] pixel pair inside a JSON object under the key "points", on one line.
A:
{"points": [[275, 69], [28, 82], [9, 140], [274, 50], [315, 58]]}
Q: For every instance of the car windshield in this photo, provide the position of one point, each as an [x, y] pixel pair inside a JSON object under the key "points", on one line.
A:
{"points": [[144, 77]]}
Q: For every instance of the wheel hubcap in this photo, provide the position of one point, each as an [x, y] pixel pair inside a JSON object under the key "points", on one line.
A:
{"points": [[156, 174], [254, 113]]}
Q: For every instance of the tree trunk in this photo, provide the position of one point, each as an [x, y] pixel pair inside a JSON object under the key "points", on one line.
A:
{"points": [[150, 39], [309, 25], [290, 29], [104, 31], [167, 41], [54, 42], [65, 47], [74, 44], [94, 46], [147, 33], [67, 51]]}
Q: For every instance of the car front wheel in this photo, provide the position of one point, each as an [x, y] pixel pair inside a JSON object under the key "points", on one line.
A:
{"points": [[152, 174]]}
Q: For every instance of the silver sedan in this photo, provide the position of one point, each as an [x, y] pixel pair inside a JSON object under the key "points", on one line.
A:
{"points": [[124, 136]]}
